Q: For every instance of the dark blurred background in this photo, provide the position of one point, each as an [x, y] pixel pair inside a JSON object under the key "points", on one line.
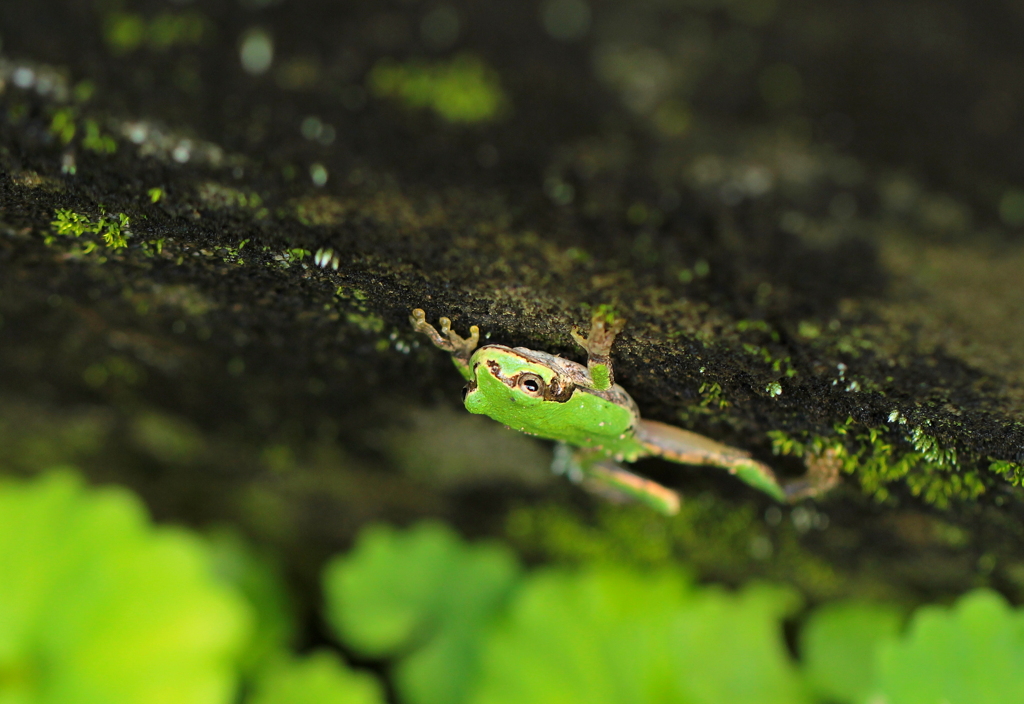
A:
{"points": [[933, 87]]}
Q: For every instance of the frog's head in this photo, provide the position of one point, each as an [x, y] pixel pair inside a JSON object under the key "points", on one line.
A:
{"points": [[506, 379], [538, 393]]}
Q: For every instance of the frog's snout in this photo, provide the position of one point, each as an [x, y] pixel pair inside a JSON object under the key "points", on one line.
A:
{"points": [[468, 389]]}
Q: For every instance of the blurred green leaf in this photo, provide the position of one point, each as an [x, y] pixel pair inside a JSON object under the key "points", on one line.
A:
{"points": [[320, 678], [598, 637], [258, 578], [97, 605], [838, 644], [972, 653], [730, 648], [422, 594], [614, 636]]}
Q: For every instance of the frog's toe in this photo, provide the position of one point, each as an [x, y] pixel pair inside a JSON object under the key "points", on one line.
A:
{"points": [[602, 334], [608, 327], [419, 324], [799, 489], [418, 319]]}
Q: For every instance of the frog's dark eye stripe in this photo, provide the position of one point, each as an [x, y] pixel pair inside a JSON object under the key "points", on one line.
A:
{"points": [[559, 390], [495, 370]]}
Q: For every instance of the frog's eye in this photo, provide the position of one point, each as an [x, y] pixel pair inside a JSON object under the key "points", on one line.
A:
{"points": [[531, 384]]}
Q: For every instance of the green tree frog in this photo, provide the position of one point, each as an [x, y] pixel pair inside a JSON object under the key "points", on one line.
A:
{"points": [[594, 420]]}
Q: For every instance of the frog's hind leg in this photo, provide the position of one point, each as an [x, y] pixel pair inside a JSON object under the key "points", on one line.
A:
{"points": [[678, 445], [603, 476]]}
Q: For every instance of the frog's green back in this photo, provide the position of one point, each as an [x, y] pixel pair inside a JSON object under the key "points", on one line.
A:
{"points": [[584, 420]]}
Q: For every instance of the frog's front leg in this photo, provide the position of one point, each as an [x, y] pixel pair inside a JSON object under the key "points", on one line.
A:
{"points": [[603, 476], [604, 327], [461, 349], [678, 445]]}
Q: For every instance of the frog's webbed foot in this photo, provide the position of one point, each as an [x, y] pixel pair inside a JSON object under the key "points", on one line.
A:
{"points": [[604, 328], [822, 475], [606, 478], [603, 331], [460, 348]]}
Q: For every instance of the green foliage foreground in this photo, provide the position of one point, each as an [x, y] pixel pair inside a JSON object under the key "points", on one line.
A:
{"points": [[98, 605]]}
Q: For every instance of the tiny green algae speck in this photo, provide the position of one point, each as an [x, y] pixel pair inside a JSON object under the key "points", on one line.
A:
{"points": [[124, 32], [218, 197], [355, 311], [62, 126], [462, 89], [65, 126], [95, 140]]}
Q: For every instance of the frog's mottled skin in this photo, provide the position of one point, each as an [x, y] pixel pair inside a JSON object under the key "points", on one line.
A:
{"points": [[565, 407], [582, 406]]}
